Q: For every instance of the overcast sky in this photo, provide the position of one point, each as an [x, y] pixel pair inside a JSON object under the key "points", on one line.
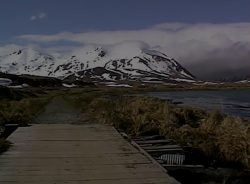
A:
{"points": [[209, 37]]}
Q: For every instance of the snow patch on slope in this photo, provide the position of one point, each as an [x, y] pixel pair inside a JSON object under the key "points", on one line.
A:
{"points": [[119, 85], [184, 80], [5, 82], [69, 85], [243, 81]]}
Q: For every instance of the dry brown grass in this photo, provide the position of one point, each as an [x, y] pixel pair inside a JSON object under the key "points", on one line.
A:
{"points": [[216, 136], [21, 111], [4, 145], [223, 139], [233, 140], [20, 107], [12, 114]]}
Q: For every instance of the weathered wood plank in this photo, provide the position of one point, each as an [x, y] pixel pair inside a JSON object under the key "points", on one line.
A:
{"points": [[162, 147], [118, 168], [48, 154], [74, 149], [84, 177], [112, 181], [153, 137], [62, 137], [102, 160], [91, 154], [186, 167], [67, 144], [41, 127], [154, 141]]}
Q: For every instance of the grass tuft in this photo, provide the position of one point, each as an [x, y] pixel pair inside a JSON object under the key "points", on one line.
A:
{"points": [[4, 145]]}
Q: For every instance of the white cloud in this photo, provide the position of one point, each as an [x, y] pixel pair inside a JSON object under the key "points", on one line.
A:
{"points": [[55, 50], [160, 35], [8, 49], [33, 17], [205, 49], [39, 16], [42, 15]]}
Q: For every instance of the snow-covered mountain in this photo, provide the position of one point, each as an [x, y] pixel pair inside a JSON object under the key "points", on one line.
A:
{"points": [[236, 79], [125, 61]]}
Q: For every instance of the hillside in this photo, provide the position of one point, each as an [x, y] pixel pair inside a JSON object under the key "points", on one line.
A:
{"points": [[127, 61]]}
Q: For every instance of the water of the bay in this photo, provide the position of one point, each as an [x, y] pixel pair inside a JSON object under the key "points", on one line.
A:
{"points": [[232, 102]]}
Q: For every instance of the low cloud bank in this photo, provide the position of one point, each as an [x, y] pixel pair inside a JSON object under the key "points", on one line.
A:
{"points": [[209, 51]]}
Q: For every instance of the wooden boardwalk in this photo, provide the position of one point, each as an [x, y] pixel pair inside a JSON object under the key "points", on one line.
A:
{"points": [[76, 154]]}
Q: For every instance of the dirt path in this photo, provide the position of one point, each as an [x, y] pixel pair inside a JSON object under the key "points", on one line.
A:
{"points": [[58, 111]]}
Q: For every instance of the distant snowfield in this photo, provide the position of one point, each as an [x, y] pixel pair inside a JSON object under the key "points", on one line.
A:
{"points": [[16, 87], [5, 82], [19, 86], [119, 85], [243, 81], [184, 80], [69, 85], [107, 76], [207, 83]]}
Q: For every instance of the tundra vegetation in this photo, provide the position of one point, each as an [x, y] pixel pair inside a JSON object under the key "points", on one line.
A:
{"points": [[218, 138], [20, 106]]}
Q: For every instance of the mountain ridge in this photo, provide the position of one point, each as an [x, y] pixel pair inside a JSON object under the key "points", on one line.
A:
{"points": [[121, 62]]}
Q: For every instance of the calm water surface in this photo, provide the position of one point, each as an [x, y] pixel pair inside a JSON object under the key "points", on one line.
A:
{"points": [[233, 102]]}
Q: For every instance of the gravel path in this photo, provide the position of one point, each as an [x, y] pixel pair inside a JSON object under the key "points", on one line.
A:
{"points": [[58, 111]]}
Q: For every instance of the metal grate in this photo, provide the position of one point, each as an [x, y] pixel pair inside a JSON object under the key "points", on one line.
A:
{"points": [[173, 159]]}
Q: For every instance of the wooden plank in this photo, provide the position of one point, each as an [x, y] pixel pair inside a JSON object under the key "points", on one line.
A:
{"points": [[145, 145], [94, 133], [184, 167], [62, 136], [84, 177], [154, 141], [112, 181], [68, 127], [165, 150], [49, 154], [143, 138], [68, 144], [43, 161], [86, 147], [76, 149], [49, 172], [74, 129], [118, 168], [162, 147]]}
